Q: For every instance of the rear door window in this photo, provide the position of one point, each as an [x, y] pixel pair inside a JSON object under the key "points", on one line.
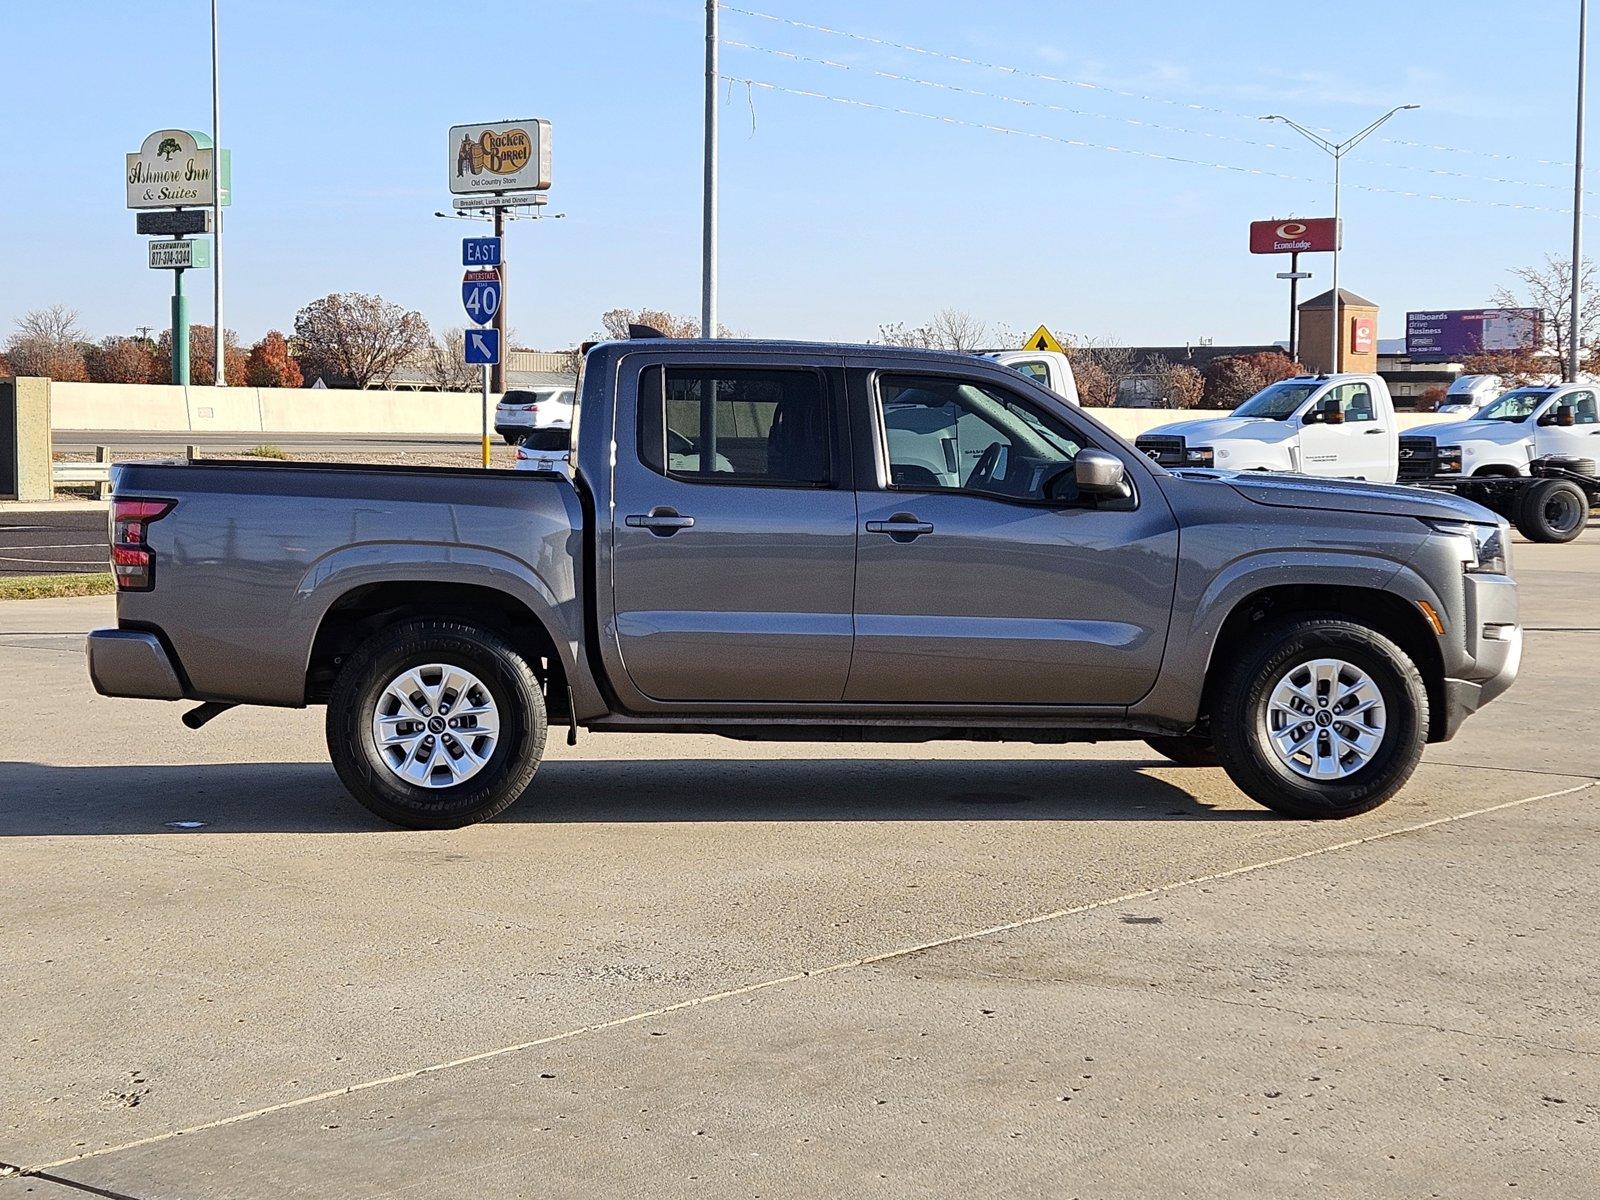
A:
{"points": [[736, 425]]}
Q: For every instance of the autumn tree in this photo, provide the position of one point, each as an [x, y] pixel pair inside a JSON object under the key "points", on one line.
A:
{"points": [[270, 365], [1516, 367], [48, 343], [202, 357], [122, 360], [1098, 368], [444, 363], [1234, 378], [358, 340], [5, 368], [1180, 386]]}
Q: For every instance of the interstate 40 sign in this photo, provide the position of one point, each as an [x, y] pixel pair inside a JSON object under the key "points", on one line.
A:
{"points": [[480, 294]]}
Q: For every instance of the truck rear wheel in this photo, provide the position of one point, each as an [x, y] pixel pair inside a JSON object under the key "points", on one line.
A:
{"points": [[1552, 510], [434, 724], [1185, 751], [1320, 718]]}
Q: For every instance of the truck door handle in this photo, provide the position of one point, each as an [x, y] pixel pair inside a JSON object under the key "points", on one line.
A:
{"points": [[902, 527], [663, 522], [1375, 432]]}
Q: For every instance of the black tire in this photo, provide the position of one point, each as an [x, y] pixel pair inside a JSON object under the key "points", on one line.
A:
{"points": [[510, 440], [1240, 730], [511, 763], [1552, 510], [1185, 751]]}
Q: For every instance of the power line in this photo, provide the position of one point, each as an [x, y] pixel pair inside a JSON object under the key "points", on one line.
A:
{"points": [[833, 64], [1144, 97], [851, 102]]}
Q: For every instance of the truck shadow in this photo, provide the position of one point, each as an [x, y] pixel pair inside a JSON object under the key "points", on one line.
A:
{"points": [[43, 800]]}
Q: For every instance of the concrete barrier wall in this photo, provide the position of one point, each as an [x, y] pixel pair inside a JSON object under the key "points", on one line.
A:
{"points": [[325, 410], [170, 409]]}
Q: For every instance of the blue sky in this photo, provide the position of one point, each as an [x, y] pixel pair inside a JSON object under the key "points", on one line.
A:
{"points": [[834, 217]]}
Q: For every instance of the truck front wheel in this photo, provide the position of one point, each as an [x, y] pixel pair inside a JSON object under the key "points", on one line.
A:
{"points": [[434, 724], [1319, 718]]}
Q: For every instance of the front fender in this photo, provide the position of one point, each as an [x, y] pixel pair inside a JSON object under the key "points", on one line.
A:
{"points": [[1198, 621]]}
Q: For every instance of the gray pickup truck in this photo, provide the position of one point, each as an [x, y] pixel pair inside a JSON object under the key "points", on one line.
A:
{"points": [[794, 541]]}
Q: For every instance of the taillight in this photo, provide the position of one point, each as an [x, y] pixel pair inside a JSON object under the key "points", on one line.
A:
{"points": [[132, 560], [532, 408]]}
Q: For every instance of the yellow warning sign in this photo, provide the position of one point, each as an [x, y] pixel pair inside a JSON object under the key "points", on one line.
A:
{"points": [[1042, 339]]}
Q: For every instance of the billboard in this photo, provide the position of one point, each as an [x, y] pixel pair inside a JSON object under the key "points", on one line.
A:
{"points": [[508, 156], [1450, 334], [1310, 235]]}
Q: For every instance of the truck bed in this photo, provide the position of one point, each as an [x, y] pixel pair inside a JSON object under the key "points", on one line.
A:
{"points": [[253, 555]]}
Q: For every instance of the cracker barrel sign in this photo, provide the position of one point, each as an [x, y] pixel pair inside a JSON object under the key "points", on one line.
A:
{"points": [[175, 168], [509, 156]]}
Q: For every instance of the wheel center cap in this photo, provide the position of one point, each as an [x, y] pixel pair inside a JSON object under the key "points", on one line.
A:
{"points": [[1324, 719], [436, 725]]}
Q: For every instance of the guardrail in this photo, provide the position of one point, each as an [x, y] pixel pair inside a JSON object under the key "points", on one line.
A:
{"points": [[96, 474]]}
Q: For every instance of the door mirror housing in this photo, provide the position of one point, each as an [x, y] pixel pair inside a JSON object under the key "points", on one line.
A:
{"points": [[1566, 415], [1325, 412], [1098, 473]]}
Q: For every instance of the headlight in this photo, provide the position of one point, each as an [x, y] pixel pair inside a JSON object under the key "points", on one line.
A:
{"points": [[1484, 549], [1449, 460], [1199, 456]]}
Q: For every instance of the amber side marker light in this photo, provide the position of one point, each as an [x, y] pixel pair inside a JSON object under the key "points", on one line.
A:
{"points": [[1432, 616]]}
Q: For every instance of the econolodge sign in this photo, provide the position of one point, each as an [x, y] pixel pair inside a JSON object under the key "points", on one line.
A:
{"points": [[175, 168], [1308, 235], [508, 156]]}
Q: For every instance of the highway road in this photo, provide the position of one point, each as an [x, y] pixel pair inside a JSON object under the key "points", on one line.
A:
{"points": [[53, 543]]}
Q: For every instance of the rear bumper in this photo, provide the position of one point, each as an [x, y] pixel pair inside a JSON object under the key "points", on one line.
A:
{"points": [[131, 663]]}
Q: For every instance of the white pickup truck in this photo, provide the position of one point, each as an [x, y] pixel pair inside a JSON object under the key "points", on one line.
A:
{"points": [[1049, 367], [1333, 426], [1469, 393], [1505, 438]]}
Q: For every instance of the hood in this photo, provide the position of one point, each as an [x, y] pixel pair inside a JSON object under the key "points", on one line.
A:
{"points": [[1342, 495], [1213, 429], [1453, 433]]}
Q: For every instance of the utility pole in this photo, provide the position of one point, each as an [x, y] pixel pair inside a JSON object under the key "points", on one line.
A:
{"points": [[1574, 350], [708, 265], [216, 203], [1338, 150]]}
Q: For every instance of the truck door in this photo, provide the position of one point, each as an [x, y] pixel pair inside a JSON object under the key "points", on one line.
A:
{"points": [[1581, 439], [1364, 445], [973, 585], [734, 532]]}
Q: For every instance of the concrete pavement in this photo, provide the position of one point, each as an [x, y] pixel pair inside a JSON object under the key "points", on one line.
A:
{"points": [[689, 966]]}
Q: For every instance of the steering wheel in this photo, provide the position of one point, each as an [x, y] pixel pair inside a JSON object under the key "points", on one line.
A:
{"points": [[983, 472]]}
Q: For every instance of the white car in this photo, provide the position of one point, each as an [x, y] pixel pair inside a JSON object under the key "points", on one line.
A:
{"points": [[521, 411], [546, 449], [1469, 393]]}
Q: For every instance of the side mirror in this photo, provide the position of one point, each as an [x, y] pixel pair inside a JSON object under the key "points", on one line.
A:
{"points": [[1566, 415], [1098, 473]]}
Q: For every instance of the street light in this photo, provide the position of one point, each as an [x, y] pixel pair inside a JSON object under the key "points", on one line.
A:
{"points": [[1338, 150]]}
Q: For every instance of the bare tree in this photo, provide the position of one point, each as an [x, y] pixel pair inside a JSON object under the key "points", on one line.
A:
{"points": [[614, 324], [950, 329], [48, 343], [445, 365], [1098, 368], [357, 339], [1549, 289]]}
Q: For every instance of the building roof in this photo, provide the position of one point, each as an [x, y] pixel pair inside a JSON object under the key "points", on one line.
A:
{"points": [[1347, 299]]}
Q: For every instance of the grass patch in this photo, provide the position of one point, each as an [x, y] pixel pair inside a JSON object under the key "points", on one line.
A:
{"points": [[49, 587], [267, 450]]}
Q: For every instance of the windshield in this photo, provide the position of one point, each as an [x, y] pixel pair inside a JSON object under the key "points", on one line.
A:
{"points": [[1278, 401], [1513, 406]]}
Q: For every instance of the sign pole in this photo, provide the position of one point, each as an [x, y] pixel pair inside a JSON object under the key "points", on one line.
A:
{"points": [[708, 215], [180, 331], [499, 381], [486, 418], [1294, 304], [1574, 350]]}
